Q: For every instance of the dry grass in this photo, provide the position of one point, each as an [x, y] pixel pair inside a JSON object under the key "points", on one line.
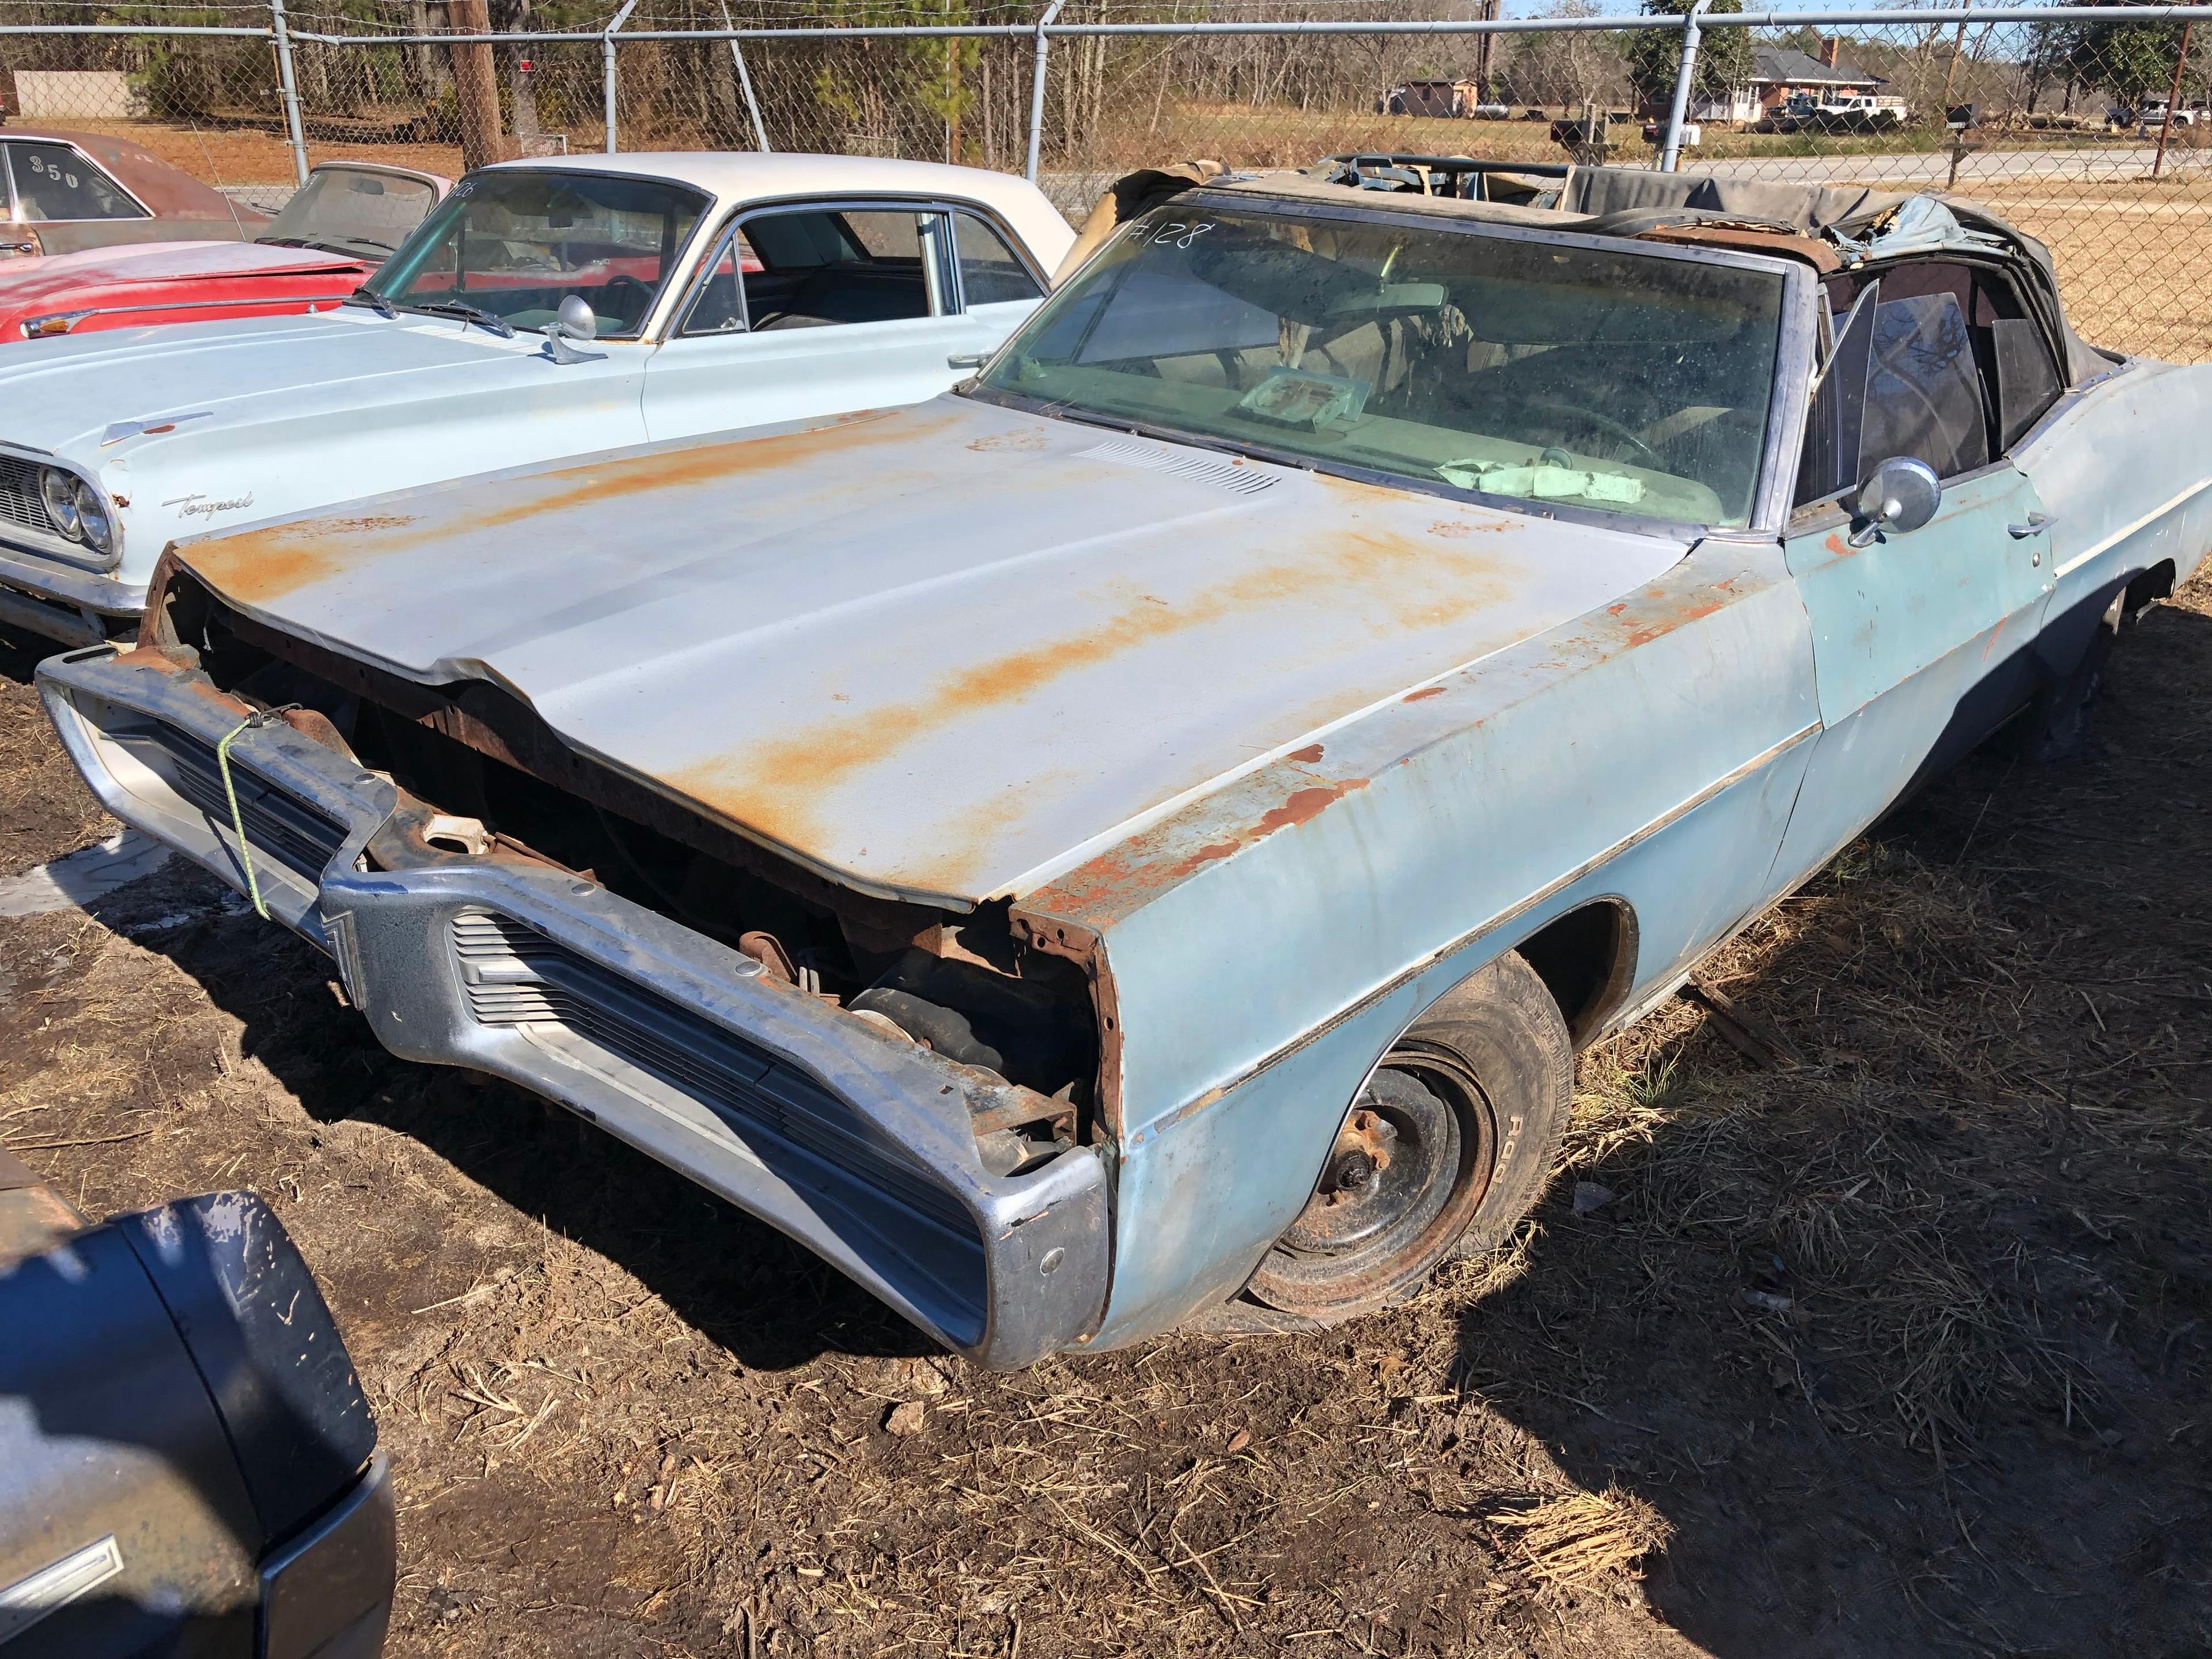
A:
{"points": [[1580, 1540]]}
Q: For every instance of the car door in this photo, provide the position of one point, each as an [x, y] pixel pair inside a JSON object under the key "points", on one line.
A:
{"points": [[1921, 639], [812, 309]]}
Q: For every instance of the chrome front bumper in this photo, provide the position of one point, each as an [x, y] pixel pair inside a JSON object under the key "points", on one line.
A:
{"points": [[855, 1144], [77, 607]]}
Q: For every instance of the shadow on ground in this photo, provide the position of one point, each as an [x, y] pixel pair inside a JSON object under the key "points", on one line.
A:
{"points": [[1906, 1342]]}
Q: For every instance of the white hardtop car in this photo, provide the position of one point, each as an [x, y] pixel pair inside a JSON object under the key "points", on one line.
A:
{"points": [[546, 308]]}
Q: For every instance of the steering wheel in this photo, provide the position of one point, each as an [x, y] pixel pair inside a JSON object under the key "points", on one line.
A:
{"points": [[625, 282], [1604, 423]]}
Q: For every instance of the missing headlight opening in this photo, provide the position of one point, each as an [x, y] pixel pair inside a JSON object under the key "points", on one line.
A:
{"points": [[483, 777]]}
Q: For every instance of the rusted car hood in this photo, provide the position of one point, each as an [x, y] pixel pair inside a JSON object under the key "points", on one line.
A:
{"points": [[941, 654]]}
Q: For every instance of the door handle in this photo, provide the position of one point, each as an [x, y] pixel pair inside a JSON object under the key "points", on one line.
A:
{"points": [[2036, 525]]}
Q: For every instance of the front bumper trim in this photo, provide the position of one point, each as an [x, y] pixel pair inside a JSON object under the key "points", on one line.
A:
{"points": [[62, 584], [855, 1144]]}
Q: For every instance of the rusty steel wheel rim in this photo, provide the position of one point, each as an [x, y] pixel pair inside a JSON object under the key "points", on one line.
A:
{"points": [[1408, 1170]]}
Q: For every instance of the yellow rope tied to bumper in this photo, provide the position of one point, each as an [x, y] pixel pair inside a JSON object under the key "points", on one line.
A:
{"points": [[258, 717]]}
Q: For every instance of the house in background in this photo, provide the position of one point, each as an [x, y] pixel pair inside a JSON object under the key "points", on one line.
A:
{"points": [[1781, 73], [1449, 98]]}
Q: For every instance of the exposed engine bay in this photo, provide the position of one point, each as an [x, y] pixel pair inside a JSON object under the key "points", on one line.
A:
{"points": [[482, 776]]}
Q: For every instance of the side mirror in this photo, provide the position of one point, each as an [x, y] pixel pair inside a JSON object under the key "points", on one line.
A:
{"points": [[1899, 494], [575, 321]]}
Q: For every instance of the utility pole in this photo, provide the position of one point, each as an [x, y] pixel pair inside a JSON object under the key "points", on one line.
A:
{"points": [[2173, 97]]}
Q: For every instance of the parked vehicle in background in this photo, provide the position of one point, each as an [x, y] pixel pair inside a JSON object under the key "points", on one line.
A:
{"points": [[2153, 115], [1858, 113], [1151, 827], [544, 309], [343, 222], [187, 1464], [71, 191]]}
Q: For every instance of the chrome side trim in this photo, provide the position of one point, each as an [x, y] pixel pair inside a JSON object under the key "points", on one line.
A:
{"points": [[26, 1601], [177, 304], [2126, 531], [1504, 918]]}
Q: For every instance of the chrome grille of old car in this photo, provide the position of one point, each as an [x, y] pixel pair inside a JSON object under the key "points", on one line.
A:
{"points": [[515, 975], [18, 496], [279, 824]]}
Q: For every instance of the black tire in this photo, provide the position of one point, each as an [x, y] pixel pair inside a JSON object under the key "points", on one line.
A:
{"points": [[1470, 1105], [2055, 726]]}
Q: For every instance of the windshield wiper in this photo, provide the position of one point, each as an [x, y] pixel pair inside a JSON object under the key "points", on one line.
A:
{"points": [[467, 312], [375, 302]]}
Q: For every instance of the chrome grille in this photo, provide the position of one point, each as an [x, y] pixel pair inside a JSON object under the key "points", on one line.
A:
{"points": [[516, 976], [281, 825], [19, 504]]}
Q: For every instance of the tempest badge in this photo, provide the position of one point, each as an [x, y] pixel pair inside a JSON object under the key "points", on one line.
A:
{"points": [[189, 505]]}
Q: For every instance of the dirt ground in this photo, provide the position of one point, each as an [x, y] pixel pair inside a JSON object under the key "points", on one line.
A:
{"points": [[1880, 1329]]}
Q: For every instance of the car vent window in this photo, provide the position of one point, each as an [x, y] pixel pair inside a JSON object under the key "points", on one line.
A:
{"points": [[720, 307], [990, 273], [54, 184]]}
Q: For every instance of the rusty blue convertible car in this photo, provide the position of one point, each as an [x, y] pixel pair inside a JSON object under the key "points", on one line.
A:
{"points": [[1143, 834]]}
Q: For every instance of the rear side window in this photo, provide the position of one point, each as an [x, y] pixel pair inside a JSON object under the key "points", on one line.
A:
{"points": [[53, 183], [990, 271]]}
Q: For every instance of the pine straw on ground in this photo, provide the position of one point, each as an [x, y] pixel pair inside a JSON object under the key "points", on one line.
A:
{"points": [[1868, 1314]]}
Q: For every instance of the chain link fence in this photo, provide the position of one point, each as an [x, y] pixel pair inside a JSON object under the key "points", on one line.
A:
{"points": [[2089, 127]]}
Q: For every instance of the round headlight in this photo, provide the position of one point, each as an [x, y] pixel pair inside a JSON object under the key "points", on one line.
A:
{"points": [[92, 520], [58, 490]]}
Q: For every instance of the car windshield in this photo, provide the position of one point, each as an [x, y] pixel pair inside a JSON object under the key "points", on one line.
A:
{"points": [[515, 245], [352, 211], [1514, 366]]}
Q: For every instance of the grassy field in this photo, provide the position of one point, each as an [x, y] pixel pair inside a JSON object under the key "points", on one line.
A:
{"points": [[1870, 1320]]}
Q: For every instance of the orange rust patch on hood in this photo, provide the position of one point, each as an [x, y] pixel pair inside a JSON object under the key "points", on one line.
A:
{"points": [[1309, 755], [1424, 693], [1084, 888], [259, 567], [779, 786]]}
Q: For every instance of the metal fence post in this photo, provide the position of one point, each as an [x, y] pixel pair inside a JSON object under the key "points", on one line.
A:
{"points": [[1036, 91], [745, 84], [1670, 153], [607, 48], [288, 86]]}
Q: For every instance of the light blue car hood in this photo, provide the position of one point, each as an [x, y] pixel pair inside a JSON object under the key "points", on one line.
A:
{"points": [[942, 654], [62, 395]]}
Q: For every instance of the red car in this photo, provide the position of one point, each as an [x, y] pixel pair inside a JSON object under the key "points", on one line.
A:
{"points": [[341, 225]]}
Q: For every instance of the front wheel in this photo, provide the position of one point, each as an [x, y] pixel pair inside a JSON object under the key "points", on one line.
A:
{"points": [[1447, 1146]]}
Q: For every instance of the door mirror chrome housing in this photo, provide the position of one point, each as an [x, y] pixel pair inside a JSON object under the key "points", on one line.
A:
{"points": [[1900, 495], [575, 320]]}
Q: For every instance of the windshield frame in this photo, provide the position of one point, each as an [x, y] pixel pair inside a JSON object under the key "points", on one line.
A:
{"points": [[1795, 348], [438, 187], [675, 281]]}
